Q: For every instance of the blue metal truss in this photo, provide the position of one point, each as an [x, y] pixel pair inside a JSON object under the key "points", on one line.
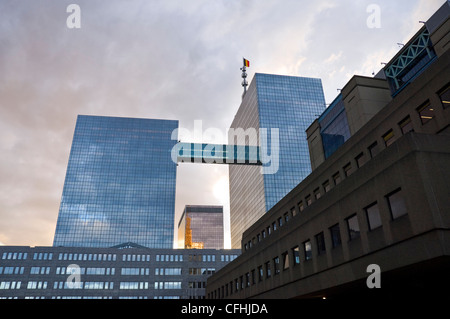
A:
{"points": [[409, 56]]}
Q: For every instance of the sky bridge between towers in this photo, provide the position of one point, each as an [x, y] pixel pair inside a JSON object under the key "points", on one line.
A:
{"points": [[216, 154]]}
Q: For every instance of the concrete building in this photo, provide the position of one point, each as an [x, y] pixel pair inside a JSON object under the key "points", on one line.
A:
{"points": [[380, 199], [128, 271], [201, 227]]}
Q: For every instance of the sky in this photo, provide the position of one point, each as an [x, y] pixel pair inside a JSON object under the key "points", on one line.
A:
{"points": [[168, 59]]}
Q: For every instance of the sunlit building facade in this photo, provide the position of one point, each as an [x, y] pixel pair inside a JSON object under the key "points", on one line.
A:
{"points": [[119, 185], [201, 227]]}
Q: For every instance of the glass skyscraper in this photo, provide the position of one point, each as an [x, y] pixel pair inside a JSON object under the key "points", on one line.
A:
{"points": [[119, 185], [201, 227], [289, 104]]}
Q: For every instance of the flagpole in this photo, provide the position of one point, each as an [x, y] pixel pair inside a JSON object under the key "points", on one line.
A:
{"points": [[244, 76]]}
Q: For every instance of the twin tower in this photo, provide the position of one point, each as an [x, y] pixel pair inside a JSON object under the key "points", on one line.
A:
{"points": [[121, 177]]}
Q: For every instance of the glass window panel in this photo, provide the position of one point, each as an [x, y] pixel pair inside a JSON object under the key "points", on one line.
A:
{"points": [[348, 170], [397, 204], [360, 160], [388, 137], [296, 255], [320, 241], [373, 149], [444, 95], [353, 227], [335, 233], [307, 249], [406, 125], [426, 112], [373, 216]]}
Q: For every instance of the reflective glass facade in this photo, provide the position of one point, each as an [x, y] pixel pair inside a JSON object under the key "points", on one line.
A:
{"points": [[334, 127], [289, 104], [201, 227], [120, 184]]}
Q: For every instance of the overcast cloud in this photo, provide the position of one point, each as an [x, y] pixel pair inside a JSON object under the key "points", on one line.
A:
{"points": [[161, 59]]}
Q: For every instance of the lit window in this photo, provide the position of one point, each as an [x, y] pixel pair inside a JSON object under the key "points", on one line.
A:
{"points": [[296, 255], [388, 137], [397, 204], [444, 95], [426, 112], [285, 260], [307, 249]]}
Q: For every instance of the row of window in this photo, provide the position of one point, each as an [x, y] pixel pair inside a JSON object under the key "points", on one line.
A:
{"points": [[425, 111], [201, 271], [177, 271], [103, 297], [89, 285], [86, 271], [397, 207], [167, 284], [14, 256], [228, 257], [196, 284], [83, 285], [12, 270], [201, 257], [170, 258], [168, 271], [113, 257]]}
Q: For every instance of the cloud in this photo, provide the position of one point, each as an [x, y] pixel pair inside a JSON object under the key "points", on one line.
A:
{"points": [[158, 59]]}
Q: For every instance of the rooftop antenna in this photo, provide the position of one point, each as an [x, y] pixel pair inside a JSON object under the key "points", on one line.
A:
{"points": [[246, 64]]}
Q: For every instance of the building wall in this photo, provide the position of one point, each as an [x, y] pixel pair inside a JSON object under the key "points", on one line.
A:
{"points": [[120, 184], [288, 105], [363, 98], [247, 197], [396, 192], [205, 227], [107, 273]]}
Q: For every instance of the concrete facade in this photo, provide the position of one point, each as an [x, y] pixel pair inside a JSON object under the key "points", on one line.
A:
{"points": [[382, 198]]}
